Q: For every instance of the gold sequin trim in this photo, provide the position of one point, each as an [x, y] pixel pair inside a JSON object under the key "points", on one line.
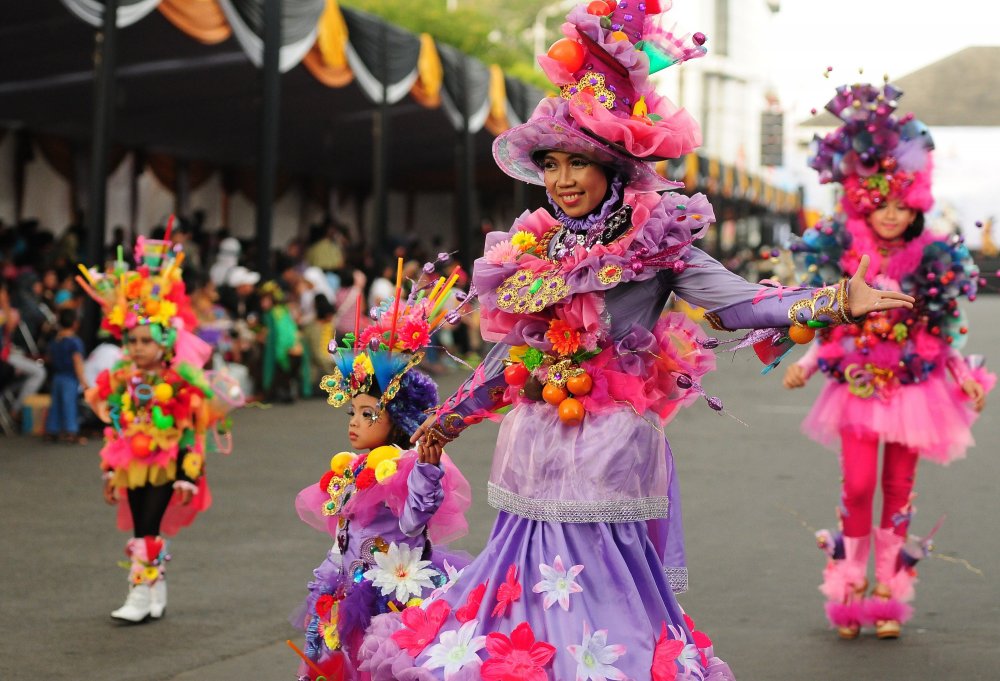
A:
{"points": [[827, 294], [525, 292]]}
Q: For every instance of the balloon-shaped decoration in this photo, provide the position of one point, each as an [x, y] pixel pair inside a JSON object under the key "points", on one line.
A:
{"points": [[599, 8], [142, 445], [569, 53], [163, 392]]}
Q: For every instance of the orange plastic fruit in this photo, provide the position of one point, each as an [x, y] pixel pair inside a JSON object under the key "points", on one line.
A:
{"points": [[569, 53], [580, 384], [571, 411], [801, 334], [141, 445], [553, 394]]}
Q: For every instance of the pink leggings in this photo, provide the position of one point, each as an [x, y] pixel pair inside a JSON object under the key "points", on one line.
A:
{"points": [[859, 462]]}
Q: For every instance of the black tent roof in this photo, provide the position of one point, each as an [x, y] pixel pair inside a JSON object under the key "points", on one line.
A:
{"points": [[178, 96]]}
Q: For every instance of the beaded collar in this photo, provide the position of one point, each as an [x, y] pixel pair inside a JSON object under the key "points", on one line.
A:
{"points": [[614, 226]]}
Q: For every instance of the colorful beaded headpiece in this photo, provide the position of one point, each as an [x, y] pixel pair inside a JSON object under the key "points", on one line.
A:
{"points": [[875, 154], [150, 295], [380, 356]]}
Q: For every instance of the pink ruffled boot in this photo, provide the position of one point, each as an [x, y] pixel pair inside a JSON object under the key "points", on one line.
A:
{"points": [[844, 585], [888, 607]]}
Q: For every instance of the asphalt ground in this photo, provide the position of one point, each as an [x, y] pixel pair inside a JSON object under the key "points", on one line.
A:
{"points": [[754, 489]]}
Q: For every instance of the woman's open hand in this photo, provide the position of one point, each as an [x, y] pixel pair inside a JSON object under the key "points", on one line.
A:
{"points": [[862, 298]]}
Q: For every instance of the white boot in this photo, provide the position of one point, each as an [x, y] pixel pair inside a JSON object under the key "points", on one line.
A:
{"points": [[136, 607], [158, 603]]}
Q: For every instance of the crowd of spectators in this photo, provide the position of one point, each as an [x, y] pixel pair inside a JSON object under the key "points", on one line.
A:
{"points": [[272, 333]]}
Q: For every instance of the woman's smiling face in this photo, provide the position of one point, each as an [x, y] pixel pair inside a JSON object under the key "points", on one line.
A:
{"points": [[577, 184]]}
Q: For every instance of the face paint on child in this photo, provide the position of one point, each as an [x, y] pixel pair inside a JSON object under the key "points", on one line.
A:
{"points": [[368, 426]]}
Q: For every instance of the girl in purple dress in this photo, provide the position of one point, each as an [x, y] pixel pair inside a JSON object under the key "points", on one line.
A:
{"points": [[387, 507], [579, 575]]}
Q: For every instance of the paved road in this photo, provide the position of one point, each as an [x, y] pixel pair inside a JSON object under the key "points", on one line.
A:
{"points": [[752, 496]]}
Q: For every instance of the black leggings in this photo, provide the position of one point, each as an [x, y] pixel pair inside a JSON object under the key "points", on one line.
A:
{"points": [[148, 504]]}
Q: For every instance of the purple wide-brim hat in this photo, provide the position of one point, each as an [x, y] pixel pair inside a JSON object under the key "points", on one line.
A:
{"points": [[551, 128]]}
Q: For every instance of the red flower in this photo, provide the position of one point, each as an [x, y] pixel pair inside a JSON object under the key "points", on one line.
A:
{"points": [[518, 658], [365, 479], [421, 626], [324, 604], [413, 335], [664, 654], [324, 482], [471, 607], [103, 384], [564, 338], [508, 592], [701, 639]]}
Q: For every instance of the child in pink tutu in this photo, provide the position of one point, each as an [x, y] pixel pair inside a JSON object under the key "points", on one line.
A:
{"points": [[887, 376], [388, 507], [161, 410]]}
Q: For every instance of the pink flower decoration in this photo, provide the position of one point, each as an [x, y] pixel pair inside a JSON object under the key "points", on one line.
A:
{"points": [[471, 607], [421, 626], [503, 252], [508, 592], [518, 658], [413, 335], [369, 333], [664, 655]]}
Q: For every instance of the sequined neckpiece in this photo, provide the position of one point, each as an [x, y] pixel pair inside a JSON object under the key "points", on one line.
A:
{"points": [[614, 226]]}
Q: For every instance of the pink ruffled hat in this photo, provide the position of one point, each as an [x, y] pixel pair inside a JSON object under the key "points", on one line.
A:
{"points": [[608, 109], [876, 155]]}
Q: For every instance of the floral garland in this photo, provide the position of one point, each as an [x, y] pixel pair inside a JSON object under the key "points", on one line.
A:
{"points": [[552, 311]]}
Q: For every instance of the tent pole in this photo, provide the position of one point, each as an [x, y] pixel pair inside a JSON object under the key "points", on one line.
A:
{"points": [[380, 135], [466, 182], [270, 112], [105, 59]]}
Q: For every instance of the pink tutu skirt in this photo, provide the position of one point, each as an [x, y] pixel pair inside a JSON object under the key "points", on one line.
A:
{"points": [[934, 417]]}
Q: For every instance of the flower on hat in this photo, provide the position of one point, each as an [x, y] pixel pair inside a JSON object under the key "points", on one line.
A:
{"points": [[414, 334]]}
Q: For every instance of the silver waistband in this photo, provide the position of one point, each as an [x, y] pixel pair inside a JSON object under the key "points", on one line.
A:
{"points": [[677, 577], [571, 511]]}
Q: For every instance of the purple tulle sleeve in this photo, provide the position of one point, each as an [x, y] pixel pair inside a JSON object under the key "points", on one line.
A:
{"points": [[478, 398], [423, 498]]}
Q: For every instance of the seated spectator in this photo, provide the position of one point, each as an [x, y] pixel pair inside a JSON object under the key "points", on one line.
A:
{"points": [[317, 336]]}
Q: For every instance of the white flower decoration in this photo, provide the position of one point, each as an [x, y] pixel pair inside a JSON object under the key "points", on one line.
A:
{"points": [[594, 657], [400, 569], [558, 583], [452, 575], [690, 659], [456, 649]]}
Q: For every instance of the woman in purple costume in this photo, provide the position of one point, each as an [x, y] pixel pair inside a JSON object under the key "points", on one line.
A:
{"points": [[579, 575]]}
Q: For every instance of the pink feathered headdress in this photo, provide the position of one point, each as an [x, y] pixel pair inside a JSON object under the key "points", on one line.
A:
{"points": [[876, 155], [608, 108]]}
